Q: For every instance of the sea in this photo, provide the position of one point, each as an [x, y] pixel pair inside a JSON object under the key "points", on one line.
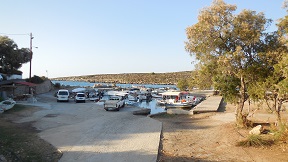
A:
{"points": [[149, 105], [88, 84]]}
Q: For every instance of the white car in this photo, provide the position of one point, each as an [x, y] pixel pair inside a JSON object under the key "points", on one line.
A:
{"points": [[80, 97], [62, 95], [114, 103]]}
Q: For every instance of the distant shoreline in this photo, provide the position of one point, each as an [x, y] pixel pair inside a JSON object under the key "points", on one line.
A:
{"points": [[170, 78]]}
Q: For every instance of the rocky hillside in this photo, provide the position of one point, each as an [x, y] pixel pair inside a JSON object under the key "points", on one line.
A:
{"points": [[133, 78]]}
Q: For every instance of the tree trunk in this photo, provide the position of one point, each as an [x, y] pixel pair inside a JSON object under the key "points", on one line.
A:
{"points": [[279, 106], [240, 118]]}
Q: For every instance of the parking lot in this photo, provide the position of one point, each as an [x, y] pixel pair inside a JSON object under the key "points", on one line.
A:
{"points": [[86, 132]]}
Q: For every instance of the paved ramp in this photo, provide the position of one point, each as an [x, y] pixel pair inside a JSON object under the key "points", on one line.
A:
{"points": [[211, 104], [86, 132], [108, 138]]}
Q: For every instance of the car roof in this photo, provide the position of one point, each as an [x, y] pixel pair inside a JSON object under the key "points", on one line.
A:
{"points": [[63, 90]]}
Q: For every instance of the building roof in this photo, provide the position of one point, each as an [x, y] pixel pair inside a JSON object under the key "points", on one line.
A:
{"points": [[16, 81], [27, 84]]}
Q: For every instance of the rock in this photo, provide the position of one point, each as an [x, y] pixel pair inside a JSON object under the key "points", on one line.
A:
{"points": [[256, 130], [142, 112]]}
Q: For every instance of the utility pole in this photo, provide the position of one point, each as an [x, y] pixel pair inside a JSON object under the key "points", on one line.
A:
{"points": [[31, 53]]}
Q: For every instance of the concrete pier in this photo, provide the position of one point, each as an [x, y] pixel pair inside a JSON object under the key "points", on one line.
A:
{"points": [[211, 104]]}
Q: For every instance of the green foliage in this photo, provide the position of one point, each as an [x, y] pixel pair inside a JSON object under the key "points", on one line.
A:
{"points": [[12, 58], [256, 141], [57, 85], [281, 133], [228, 86], [202, 78], [36, 79], [234, 51], [183, 84], [278, 135]]}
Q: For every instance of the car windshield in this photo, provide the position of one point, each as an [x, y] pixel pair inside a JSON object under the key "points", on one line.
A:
{"points": [[63, 93], [81, 95]]}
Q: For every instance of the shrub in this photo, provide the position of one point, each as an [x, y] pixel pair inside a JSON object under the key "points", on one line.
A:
{"points": [[57, 85], [281, 133], [256, 141], [35, 79]]}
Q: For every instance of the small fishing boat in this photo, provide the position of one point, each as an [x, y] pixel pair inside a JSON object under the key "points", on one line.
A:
{"points": [[176, 99], [6, 105]]}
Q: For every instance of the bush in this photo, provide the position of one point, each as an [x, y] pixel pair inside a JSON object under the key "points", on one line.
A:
{"points": [[36, 79], [57, 85], [281, 133], [256, 141]]}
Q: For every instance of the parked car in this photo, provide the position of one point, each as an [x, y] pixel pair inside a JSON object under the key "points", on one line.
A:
{"points": [[80, 97], [62, 95], [114, 103]]}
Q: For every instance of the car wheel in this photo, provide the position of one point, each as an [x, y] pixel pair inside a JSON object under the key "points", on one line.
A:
{"points": [[123, 105], [118, 108]]}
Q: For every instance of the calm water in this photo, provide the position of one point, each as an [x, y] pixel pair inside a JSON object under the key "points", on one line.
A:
{"points": [[151, 105], [88, 84]]}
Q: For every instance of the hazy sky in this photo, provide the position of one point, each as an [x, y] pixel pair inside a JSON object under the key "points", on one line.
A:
{"points": [[84, 37]]}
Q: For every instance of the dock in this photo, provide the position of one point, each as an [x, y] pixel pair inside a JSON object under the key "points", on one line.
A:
{"points": [[211, 104]]}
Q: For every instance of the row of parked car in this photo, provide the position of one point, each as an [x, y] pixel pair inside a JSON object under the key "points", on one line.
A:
{"points": [[63, 95]]}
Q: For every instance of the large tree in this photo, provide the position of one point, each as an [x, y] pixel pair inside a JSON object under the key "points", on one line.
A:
{"points": [[229, 47], [274, 88], [12, 58]]}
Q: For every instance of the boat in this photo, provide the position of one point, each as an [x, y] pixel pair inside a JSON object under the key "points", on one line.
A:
{"points": [[176, 99], [178, 105], [144, 95], [6, 105]]}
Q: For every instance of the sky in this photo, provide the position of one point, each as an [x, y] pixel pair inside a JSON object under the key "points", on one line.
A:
{"points": [[87, 37]]}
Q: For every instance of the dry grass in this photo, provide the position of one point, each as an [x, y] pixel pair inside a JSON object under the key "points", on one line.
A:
{"points": [[256, 141]]}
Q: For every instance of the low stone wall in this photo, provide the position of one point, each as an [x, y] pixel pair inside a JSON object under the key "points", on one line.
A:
{"points": [[44, 87]]}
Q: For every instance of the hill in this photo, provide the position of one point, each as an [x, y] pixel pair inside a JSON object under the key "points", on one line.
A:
{"points": [[132, 78]]}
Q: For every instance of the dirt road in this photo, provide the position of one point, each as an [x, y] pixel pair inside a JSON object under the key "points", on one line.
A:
{"points": [[211, 137]]}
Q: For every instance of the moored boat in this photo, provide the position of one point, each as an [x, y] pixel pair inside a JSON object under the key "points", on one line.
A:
{"points": [[176, 99], [6, 105]]}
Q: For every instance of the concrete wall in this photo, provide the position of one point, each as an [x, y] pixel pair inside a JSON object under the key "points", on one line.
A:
{"points": [[19, 90]]}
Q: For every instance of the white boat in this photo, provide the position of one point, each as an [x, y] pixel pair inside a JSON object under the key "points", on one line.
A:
{"points": [[132, 97], [178, 105], [161, 102], [144, 95], [176, 99], [6, 105]]}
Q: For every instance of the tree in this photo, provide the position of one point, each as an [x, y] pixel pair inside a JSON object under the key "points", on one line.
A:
{"points": [[229, 48], [274, 88], [182, 84], [12, 58]]}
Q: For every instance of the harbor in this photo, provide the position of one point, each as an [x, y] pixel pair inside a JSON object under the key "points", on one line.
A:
{"points": [[157, 98]]}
